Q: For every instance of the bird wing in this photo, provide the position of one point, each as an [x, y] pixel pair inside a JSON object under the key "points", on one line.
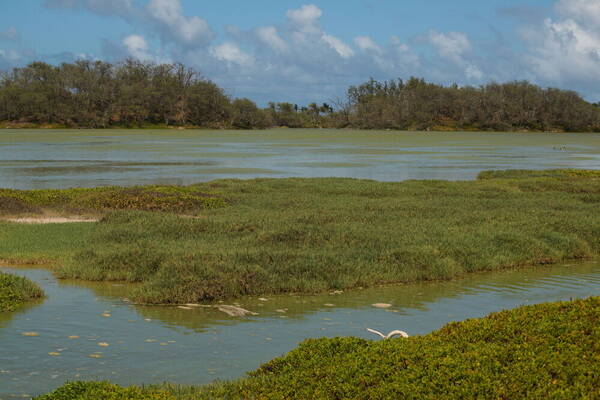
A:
{"points": [[376, 332], [397, 333]]}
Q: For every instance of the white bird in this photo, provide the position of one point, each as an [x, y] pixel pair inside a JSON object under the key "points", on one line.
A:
{"points": [[389, 335]]}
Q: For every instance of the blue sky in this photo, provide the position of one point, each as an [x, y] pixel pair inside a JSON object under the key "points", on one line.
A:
{"points": [[300, 51]]}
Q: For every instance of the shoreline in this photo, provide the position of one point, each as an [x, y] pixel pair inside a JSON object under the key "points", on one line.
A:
{"points": [[439, 129]]}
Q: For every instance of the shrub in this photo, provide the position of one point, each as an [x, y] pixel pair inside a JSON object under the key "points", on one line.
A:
{"points": [[15, 291]]}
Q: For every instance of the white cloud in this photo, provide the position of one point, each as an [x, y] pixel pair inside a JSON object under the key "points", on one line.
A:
{"points": [[455, 47], [473, 72], [166, 15], [566, 51], [365, 43], [307, 15], [137, 47], [231, 53], [191, 31], [340, 47], [451, 45], [403, 54], [587, 12], [269, 36]]}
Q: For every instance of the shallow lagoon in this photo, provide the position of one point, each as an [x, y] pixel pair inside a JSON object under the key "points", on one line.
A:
{"points": [[70, 158], [156, 344], [152, 344]]}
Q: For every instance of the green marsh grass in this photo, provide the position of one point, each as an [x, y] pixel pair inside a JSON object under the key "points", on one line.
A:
{"points": [[43, 243], [312, 235], [177, 199], [16, 291], [533, 352]]}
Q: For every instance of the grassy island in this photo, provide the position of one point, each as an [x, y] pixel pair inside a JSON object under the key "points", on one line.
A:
{"points": [[532, 352], [16, 291], [231, 238]]}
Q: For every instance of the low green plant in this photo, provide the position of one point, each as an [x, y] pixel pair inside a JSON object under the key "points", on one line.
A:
{"points": [[543, 173], [104, 391], [533, 352], [176, 199], [16, 291]]}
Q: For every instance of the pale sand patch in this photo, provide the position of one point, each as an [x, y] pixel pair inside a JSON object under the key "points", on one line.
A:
{"points": [[50, 220]]}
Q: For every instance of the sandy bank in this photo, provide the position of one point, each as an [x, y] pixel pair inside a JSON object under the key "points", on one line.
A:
{"points": [[49, 220]]}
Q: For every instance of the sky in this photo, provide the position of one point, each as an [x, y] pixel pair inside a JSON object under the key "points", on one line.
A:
{"points": [[304, 51]]}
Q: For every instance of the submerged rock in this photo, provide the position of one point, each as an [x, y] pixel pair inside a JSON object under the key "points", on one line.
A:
{"points": [[381, 305], [235, 311]]}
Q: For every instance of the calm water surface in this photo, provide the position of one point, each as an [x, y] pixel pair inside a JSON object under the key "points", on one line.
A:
{"points": [[156, 344], [69, 158]]}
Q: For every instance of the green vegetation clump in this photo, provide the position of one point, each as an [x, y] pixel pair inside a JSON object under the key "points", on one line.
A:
{"points": [[103, 391], [15, 291], [532, 352], [176, 199], [146, 95], [543, 173], [314, 235]]}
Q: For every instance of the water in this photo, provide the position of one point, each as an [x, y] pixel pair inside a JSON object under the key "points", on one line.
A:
{"points": [[83, 158], [156, 344]]}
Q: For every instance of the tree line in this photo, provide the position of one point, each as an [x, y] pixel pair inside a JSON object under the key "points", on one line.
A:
{"points": [[98, 94]]}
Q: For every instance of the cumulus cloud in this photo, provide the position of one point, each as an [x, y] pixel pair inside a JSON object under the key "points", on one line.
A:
{"points": [[452, 45], [305, 17], [340, 47], [232, 54], [307, 32], [269, 36], [586, 12], [455, 46], [365, 43], [168, 15], [566, 50], [137, 47]]}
